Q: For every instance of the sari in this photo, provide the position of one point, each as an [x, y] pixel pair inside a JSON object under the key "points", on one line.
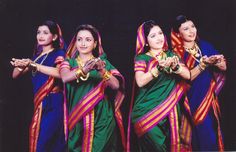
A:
{"points": [[203, 99], [93, 114], [157, 110], [47, 126]]}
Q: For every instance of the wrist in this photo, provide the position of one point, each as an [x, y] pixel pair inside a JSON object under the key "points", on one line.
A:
{"points": [[154, 72], [106, 75]]}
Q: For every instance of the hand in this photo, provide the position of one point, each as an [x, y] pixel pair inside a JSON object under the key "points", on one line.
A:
{"points": [[100, 64], [89, 65], [21, 63], [219, 58], [165, 63], [175, 62]]}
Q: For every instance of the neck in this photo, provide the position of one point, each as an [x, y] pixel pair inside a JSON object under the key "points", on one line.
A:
{"points": [[47, 49], [156, 51], [85, 57], [189, 44]]}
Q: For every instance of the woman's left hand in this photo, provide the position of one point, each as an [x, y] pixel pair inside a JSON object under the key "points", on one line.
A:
{"points": [[174, 63], [100, 64]]}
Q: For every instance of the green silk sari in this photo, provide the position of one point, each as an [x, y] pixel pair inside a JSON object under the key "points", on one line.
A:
{"points": [[102, 119], [158, 100]]}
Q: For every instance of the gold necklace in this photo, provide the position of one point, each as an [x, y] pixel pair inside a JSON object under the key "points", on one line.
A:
{"points": [[195, 52], [81, 63], [159, 56]]}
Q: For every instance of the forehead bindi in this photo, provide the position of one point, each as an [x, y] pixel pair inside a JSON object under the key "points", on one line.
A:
{"points": [[84, 34]]}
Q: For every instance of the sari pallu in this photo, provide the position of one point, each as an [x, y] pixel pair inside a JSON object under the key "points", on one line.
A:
{"points": [[89, 107], [203, 99], [47, 95], [155, 104]]}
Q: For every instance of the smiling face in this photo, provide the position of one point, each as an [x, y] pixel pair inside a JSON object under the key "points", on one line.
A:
{"points": [[156, 38], [188, 31], [85, 42], [44, 36]]}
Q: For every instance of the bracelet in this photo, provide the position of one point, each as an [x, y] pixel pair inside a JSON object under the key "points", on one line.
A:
{"points": [[34, 67], [178, 71], [176, 68], [154, 72], [107, 75], [201, 68], [19, 69]]}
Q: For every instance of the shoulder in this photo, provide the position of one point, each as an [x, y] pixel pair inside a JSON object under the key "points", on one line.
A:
{"points": [[60, 52], [141, 57], [207, 47]]}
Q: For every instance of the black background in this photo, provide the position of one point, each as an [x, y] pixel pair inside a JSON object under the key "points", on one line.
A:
{"points": [[117, 22]]}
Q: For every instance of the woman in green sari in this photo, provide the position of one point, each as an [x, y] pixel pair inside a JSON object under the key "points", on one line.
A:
{"points": [[93, 116], [159, 100]]}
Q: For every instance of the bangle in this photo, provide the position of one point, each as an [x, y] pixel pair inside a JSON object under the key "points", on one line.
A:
{"points": [[107, 75], [154, 72], [19, 69], [201, 67], [176, 68], [179, 70], [34, 67]]}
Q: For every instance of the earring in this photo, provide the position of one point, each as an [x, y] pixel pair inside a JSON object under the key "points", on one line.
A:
{"points": [[146, 44]]}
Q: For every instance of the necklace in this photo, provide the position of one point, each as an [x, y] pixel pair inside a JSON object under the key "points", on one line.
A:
{"points": [[195, 51], [159, 56], [80, 61], [45, 54]]}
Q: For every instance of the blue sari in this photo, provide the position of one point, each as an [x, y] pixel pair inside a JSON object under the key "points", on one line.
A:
{"points": [[206, 134], [47, 127]]}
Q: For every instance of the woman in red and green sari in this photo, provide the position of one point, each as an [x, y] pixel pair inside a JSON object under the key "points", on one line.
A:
{"points": [[47, 127], [94, 119], [207, 68], [159, 100]]}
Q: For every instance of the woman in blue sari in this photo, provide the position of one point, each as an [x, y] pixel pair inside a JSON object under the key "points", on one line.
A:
{"points": [[47, 126], [206, 66]]}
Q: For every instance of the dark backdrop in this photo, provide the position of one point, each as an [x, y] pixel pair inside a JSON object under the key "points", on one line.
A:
{"points": [[117, 22]]}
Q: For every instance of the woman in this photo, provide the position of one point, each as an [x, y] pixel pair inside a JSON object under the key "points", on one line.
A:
{"points": [[156, 110], [88, 75], [205, 65], [47, 127]]}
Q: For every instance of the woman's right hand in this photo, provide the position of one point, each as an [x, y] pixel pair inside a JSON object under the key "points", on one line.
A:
{"points": [[20, 63], [89, 65]]}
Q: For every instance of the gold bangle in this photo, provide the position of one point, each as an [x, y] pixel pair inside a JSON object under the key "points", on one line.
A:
{"points": [[19, 69], [154, 72], [200, 67], [33, 66], [107, 75]]}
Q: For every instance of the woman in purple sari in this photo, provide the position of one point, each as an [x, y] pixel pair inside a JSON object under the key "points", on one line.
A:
{"points": [[206, 66], [47, 126]]}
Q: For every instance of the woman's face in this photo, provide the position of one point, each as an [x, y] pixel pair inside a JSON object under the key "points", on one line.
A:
{"points": [[85, 42], [188, 31], [156, 38], [44, 36]]}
